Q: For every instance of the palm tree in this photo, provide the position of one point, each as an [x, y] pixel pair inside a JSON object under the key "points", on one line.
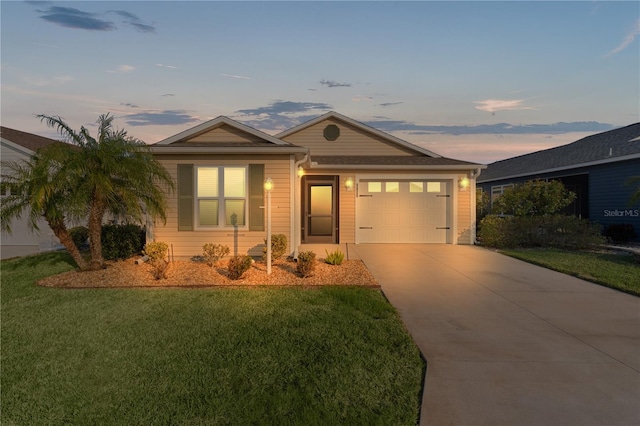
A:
{"points": [[111, 173], [37, 187]]}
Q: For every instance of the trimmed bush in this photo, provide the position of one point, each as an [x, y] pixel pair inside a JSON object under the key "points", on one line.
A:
{"points": [[157, 252], [214, 252], [620, 232], [122, 241], [306, 263], [539, 231], [238, 265], [278, 246], [79, 235], [334, 258]]}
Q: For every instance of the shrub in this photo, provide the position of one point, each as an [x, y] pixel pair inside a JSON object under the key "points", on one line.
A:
{"points": [[214, 252], [238, 265], [306, 263], [122, 241], [157, 252], [334, 258], [79, 235], [278, 246], [534, 198], [620, 232], [538, 231]]}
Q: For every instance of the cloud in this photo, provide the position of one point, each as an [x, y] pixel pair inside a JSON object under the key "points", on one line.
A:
{"points": [[388, 104], [134, 21], [74, 18], [493, 105], [281, 115], [129, 105], [122, 69], [43, 81], [162, 118], [236, 76], [629, 38], [168, 94], [331, 83], [167, 66], [362, 98], [496, 129], [70, 17], [285, 107]]}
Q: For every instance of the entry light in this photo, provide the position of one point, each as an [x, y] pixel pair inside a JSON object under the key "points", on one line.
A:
{"points": [[348, 184], [300, 171], [463, 183]]}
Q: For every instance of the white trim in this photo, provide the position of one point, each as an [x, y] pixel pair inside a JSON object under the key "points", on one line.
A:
{"points": [[217, 122], [361, 126], [569, 167], [289, 149], [467, 167], [16, 147]]}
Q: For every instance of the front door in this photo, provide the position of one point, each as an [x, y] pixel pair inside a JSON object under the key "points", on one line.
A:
{"points": [[320, 219]]}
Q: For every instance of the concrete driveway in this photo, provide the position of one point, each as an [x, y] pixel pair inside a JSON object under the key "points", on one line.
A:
{"points": [[509, 343]]}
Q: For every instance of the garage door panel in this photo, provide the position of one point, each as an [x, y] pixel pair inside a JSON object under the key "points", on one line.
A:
{"points": [[416, 211]]}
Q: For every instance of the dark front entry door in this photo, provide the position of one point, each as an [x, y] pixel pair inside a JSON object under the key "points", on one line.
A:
{"points": [[320, 219]]}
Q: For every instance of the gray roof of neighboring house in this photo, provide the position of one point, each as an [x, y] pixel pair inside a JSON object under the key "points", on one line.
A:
{"points": [[611, 146], [26, 140]]}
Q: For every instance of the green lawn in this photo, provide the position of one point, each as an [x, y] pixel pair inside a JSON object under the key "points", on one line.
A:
{"points": [[335, 355], [612, 270]]}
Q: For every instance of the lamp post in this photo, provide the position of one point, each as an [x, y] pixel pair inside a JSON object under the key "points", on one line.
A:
{"points": [[268, 186]]}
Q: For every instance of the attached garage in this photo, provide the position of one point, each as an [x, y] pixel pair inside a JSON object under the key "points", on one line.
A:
{"points": [[404, 211]]}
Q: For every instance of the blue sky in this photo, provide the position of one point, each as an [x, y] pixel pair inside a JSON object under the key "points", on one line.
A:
{"points": [[478, 81]]}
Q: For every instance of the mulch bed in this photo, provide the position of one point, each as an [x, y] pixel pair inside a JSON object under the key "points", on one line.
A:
{"points": [[198, 274]]}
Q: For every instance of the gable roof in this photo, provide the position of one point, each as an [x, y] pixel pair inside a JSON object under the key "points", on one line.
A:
{"points": [[215, 123], [365, 128], [607, 147], [27, 142]]}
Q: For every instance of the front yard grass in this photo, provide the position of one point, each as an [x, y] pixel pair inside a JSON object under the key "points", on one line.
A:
{"points": [[617, 271], [333, 355]]}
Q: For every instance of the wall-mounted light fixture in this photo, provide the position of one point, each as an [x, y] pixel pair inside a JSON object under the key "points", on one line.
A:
{"points": [[268, 186], [463, 183], [348, 183], [300, 171]]}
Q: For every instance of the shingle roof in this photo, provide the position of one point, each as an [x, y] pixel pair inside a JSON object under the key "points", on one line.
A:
{"points": [[613, 145], [24, 139], [400, 160]]}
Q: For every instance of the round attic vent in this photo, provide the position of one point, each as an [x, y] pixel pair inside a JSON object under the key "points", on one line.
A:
{"points": [[331, 132]]}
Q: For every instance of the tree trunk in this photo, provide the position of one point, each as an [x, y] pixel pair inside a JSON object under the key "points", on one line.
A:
{"points": [[60, 230], [95, 235]]}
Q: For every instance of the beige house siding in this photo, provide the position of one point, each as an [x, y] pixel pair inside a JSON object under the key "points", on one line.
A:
{"points": [[347, 209], [22, 240], [464, 223], [352, 141], [241, 241], [225, 133]]}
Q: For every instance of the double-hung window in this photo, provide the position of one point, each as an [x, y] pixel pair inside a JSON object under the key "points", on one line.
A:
{"points": [[221, 196]]}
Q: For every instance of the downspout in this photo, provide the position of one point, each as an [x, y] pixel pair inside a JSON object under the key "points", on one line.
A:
{"points": [[474, 213], [297, 212]]}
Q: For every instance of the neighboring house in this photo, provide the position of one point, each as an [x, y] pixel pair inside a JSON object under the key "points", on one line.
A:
{"points": [[18, 146], [596, 168], [335, 180]]}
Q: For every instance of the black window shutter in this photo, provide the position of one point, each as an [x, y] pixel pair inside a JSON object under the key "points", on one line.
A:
{"points": [[256, 197], [185, 197]]}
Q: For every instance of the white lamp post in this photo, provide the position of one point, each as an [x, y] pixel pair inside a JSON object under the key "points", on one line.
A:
{"points": [[268, 186]]}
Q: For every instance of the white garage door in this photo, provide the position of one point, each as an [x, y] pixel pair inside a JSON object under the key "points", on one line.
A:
{"points": [[403, 211]]}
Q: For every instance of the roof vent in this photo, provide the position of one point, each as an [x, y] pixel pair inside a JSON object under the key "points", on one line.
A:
{"points": [[610, 152]]}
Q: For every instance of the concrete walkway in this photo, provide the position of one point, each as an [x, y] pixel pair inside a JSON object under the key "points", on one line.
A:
{"points": [[509, 343]]}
